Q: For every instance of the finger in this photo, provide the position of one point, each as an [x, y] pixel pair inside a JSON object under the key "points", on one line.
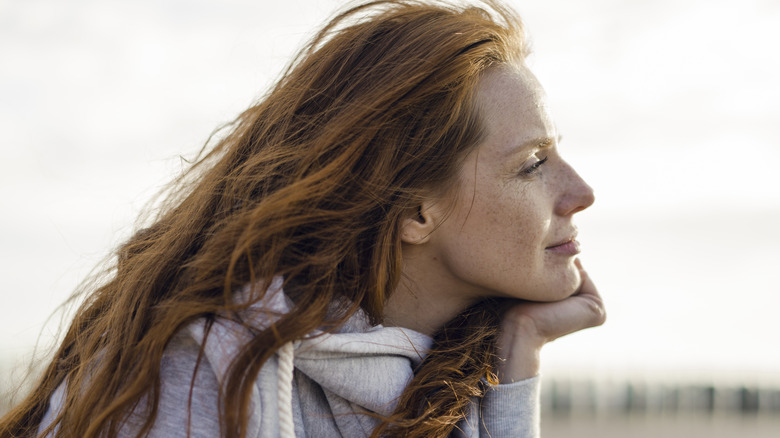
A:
{"points": [[587, 287], [596, 312], [577, 313]]}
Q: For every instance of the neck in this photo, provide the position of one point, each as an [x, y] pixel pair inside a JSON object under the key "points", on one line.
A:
{"points": [[422, 301]]}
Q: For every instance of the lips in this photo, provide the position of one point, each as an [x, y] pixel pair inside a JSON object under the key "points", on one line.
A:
{"points": [[568, 246]]}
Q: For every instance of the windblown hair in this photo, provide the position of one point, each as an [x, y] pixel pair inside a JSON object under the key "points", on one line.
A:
{"points": [[375, 115]]}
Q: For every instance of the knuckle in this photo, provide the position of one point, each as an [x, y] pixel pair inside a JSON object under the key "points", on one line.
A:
{"points": [[598, 312]]}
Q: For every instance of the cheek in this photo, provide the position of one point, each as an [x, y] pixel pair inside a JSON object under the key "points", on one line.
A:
{"points": [[521, 221], [507, 220]]}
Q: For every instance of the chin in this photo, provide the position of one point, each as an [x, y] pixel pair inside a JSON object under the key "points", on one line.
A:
{"points": [[575, 282], [568, 286]]}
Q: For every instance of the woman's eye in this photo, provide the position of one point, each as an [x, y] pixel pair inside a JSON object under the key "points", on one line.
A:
{"points": [[534, 167]]}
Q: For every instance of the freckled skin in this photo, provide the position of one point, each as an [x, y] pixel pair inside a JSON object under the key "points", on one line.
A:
{"points": [[494, 241], [492, 237], [500, 234]]}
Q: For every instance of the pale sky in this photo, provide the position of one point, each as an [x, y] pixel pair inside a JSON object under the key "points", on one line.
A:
{"points": [[670, 110]]}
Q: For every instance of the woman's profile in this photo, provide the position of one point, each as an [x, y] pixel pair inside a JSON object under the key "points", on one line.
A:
{"points": [[380, 246]]}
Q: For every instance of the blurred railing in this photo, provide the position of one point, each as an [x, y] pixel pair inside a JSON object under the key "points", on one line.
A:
{"points": [[582, 397], [651, 409]]}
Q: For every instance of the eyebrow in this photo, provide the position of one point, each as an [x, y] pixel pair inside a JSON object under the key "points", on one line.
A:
{"points": [[538, 143]]}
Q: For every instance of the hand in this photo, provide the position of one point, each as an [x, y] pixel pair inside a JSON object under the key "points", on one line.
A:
{"points": [[527, 326]]}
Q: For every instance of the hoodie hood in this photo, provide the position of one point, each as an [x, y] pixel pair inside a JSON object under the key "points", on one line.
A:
{"points": [[359, 367]]}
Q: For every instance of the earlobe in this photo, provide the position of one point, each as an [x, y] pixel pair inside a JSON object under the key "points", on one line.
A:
{"points": [[416, 229]]}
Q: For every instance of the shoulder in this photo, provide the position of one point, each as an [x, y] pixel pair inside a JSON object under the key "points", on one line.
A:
{"points": [[189, 394]]}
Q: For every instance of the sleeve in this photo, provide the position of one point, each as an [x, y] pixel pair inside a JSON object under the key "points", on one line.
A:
{"points": [[176, 414], [511, 410], [507, 410]]}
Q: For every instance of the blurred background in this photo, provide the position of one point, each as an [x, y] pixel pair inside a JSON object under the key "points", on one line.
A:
{"points": [[670, 109]]}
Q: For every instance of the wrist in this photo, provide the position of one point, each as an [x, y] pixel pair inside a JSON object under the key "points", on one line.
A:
{"points": [[518, 361]]}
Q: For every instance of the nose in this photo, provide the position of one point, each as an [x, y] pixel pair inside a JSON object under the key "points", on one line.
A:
{"points": [[576, 194]]}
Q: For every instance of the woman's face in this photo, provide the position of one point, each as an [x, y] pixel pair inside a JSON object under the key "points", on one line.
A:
{"points": [[509, 231]]}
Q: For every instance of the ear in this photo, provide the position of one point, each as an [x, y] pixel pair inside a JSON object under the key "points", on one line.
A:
{"points": [[416, 229]]}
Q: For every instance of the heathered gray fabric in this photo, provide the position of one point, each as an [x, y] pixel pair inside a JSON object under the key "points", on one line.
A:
{"points": [[337, 377]]}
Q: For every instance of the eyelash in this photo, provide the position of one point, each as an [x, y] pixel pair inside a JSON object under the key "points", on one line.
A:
{"points": [[534, 167]]}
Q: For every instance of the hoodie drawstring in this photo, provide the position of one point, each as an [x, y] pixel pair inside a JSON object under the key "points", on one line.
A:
{"points": [[284, 395]]}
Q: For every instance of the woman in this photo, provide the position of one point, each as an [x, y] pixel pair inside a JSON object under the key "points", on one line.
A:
{"points": [[380, 246]]}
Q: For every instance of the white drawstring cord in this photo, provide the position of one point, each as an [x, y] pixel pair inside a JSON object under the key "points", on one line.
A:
{"points": [[284, 376]]}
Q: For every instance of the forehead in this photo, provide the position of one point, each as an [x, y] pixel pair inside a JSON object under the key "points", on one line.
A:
{"points": [[513, 107]]}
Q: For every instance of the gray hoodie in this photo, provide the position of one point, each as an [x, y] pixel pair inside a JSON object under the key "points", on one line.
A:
{"points": [[336, 378]]}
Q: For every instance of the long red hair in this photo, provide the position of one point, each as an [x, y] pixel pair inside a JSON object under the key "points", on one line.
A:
{"points": [[311, 183]]}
